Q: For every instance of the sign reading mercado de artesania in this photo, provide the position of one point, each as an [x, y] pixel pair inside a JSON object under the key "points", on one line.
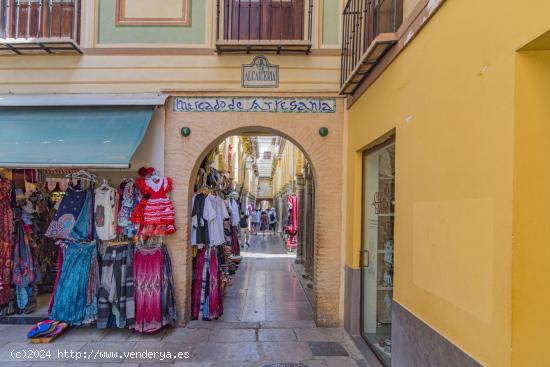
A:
{"points": [[255, 104]]}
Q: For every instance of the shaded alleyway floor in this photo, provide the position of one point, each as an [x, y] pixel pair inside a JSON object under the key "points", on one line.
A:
{"points": [[267, 319]]}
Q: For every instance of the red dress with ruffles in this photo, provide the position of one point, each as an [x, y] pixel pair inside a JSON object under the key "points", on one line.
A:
{"points": [[155, 212]]}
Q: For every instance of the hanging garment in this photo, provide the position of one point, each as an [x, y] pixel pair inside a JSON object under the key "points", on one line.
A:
{"points": [[23, 270], [69, 209], [168, 291], [234, 212], [158, 212], [59, 271], [73, 301], [215, 225], [201, 214], [129, 199], [6, 229], [116, 291], [292, 226], [148, 265], [235, 246], [84, 225], [207, 296], [104, 212]]}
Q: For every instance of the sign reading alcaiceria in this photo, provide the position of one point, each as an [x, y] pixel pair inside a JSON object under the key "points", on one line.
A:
{"points": [[254, 104], [260, 74]]}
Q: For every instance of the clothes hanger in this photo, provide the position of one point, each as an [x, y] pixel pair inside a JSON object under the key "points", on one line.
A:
{"points": [[104, 185]]}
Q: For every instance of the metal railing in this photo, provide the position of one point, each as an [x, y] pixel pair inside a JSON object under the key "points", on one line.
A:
{"points": [[40, 19], [264, 20], [362, 22]]}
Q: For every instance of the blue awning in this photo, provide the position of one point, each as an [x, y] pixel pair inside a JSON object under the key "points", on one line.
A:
{"points": [[91, 137]]}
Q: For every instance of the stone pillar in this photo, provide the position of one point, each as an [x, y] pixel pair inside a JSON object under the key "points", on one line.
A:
{"points": [[301, 216]]}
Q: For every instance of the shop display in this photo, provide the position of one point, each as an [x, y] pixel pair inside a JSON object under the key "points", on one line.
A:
{"points": [[215, 238], [155, 213], [155, 306], [97, 248], [291, 227]]}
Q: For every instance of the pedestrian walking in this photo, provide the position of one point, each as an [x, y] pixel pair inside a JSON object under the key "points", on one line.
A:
{"points": [[245, 230], [256, 221], [272, 221], [264, 222]]}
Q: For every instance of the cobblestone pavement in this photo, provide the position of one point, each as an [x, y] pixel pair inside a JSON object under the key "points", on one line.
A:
{"points": [[267, 320]]}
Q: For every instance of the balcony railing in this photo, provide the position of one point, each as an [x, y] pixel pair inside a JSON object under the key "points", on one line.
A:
{"points": [[369, 28], [264, 25], [39, 26]]}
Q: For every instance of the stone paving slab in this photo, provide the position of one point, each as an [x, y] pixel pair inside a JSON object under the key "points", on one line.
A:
{"points": [[341, 362], [274, 335], [295, 351], [75, 334], [245, 351], [233, 335], [321, 334], [143, 337], [287, 324], [199, 324], [185, 335]]}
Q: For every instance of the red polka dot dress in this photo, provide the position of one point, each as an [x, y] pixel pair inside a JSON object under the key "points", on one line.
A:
{"points": [[155, 213]]}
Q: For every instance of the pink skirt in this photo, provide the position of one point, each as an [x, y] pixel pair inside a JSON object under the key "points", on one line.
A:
{"points": [[148, 266]]}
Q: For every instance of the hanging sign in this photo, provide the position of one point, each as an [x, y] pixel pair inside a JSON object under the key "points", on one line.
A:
{"points": [[260, 74], [254, 104]]}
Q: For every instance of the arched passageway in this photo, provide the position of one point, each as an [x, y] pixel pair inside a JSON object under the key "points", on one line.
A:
{"points": [[183, 156]]}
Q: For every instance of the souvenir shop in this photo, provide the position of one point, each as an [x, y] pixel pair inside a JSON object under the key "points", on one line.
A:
{"points": [[216, 208], [82, 235]]}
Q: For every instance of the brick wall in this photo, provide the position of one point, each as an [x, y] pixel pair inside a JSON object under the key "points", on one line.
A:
{"points": [[184, 154]]}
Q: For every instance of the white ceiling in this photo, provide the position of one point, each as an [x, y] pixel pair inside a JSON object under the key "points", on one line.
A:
{"points": [[265, 144]]}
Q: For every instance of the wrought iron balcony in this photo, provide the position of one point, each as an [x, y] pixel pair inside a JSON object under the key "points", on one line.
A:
{"points": [[39, 26], [264, 26], [369, 28]]}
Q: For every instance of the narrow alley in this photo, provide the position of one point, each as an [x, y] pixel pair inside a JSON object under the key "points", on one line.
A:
{"points": [[267, 321]]}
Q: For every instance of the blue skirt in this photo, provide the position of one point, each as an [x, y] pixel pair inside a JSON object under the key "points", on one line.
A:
{"points": [[70, 300]]}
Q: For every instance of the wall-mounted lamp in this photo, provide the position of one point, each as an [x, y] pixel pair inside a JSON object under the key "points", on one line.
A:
{"points": [[185, 131]]}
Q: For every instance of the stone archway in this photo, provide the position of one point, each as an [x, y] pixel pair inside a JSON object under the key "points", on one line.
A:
{"points": [[184, 154]]}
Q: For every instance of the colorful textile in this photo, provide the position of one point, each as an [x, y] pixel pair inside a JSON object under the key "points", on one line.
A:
{"points": [[83, 227], [71, 302], [116, 291], [168, 291], [148, 266], [158, 212], [200, 235], [292, 224], [235, 246], [130, 197], [207, 297], [59, 271], [104, 212], [6, 229], [69, 210], [23, 270]]}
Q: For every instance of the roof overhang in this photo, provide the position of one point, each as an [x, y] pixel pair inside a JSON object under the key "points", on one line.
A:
{"points": [[67, 100]]}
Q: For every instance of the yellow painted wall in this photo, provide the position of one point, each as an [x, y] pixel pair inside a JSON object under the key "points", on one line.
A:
{"points": [[450, 98], [291, 163], [531, 233]]}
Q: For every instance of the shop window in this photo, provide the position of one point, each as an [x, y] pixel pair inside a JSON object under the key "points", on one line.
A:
{"points": [[377, 260]]}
